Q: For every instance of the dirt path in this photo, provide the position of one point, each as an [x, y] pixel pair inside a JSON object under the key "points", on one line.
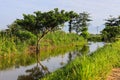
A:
{"points": [[115, 74]]}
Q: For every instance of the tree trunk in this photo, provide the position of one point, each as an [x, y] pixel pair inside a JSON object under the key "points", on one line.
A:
{"points": [[70, 26], [37, 47]]}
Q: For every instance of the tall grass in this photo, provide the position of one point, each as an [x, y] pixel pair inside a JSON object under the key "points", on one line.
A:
{"points": [[59, 38], [94, 67], [12, 53], [8, 46]]}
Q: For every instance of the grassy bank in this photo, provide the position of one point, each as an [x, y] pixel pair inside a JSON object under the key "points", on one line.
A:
{"points": [[13, 45], [93, 67], [23, 54]]}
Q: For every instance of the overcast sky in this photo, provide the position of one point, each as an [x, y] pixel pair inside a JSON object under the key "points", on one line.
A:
{"points": [[98, 9]]}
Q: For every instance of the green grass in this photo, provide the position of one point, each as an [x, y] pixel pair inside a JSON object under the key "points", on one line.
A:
{"points": [[13, 45], [60, 38], [94, 67]]}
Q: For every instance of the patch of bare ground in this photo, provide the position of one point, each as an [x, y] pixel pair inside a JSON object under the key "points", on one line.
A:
{"points": [[115, 74]]}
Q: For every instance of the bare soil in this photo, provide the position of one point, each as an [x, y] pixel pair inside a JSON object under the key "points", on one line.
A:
{"points": [[115, 74]]}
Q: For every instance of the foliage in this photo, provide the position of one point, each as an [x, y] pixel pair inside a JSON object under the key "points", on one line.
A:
{"points": [[85, 34], [40, 23], [51, 39], [25, 35], [110, 33], [72, 15], [112, 29], [80, 24], [13, 29], [56, 38], [17, 34], [52, 44], [112, 21], [95, 37]]}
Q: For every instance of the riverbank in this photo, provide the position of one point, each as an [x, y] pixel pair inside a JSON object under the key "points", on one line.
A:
{"points": [[52, 44], [94, 67], [13, 45]]}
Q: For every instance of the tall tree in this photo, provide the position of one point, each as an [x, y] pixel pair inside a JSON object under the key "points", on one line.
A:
{"points": [[72, 16], [111, 21], [81, 24], [118, 21], [40, 23], [112, 29]]}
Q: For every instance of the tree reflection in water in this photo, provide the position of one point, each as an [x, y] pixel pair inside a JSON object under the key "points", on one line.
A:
{"points": [[85, 50], [40, 70], [78, 52], [62, 62], [35, 73], [69, 57]]}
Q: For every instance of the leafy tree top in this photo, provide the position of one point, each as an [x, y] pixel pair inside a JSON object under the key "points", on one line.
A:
{"points": [[43, 22], [112, 21], [81, 22], [112, 28]]}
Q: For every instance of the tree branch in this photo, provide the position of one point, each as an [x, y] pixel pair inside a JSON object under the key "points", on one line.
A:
{"points": [[46, 32]]}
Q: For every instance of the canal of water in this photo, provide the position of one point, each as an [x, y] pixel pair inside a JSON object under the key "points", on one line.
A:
{"points": [[39, 69]]}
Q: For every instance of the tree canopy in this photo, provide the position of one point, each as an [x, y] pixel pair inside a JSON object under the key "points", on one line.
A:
{"points": [[40, 23], [112, 29], [72, 16], [43, 22], [80, 24]]}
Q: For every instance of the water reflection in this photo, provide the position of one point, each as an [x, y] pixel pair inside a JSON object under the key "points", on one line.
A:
{"points": [[35, 73], [39, 69], [62, 62], [69, 57], [85, 50]]}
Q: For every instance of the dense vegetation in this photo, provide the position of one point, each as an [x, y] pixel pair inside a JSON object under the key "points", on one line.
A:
{"points": [[30, 30], [112, 29], [95, 37], [14, 45], [94, 67], [24, 54], [80, 24]]}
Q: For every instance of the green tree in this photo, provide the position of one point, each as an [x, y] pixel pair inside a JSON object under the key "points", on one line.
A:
{"points": [[72, 16], [40, 23], [118, 21], [111, 21], [110, 33], [81, 24], [112, 29], [13, 29]]}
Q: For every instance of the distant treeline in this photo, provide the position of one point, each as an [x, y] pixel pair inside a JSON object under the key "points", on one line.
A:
{"points": [[95, 37]]}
